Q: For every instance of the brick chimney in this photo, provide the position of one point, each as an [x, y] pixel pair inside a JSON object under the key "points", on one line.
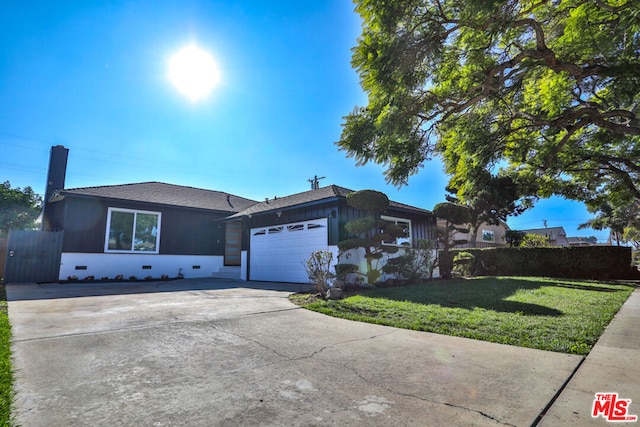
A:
{"points": [[55, 181]]}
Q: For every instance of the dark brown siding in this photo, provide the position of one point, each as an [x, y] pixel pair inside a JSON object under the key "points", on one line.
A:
{"points": [[183, 231], [423, 226], [324, 210]]}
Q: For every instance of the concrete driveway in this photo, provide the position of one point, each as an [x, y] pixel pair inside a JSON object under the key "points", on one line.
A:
{"points": [[210, 352]]}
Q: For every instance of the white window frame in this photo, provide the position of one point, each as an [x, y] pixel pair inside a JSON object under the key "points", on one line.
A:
{"points": [[135, 213], [401, 240], [492, 233]]}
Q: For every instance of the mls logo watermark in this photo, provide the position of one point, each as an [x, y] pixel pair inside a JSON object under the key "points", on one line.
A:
{"points": [[612, 408]]}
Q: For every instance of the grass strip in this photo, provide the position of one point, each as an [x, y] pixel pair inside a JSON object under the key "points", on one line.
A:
{"points": [[559, 315], [6, 366]]}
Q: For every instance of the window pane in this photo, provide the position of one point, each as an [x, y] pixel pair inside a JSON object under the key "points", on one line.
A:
{"points": [[121, 230], [488, 236], [146, 232]]}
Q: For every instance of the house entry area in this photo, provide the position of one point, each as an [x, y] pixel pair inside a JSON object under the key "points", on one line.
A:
{"points": [[233, 243], [278, 252]]}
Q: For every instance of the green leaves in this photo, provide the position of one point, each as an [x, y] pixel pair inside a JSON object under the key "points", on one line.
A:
{"points": [[547, 91], [369, 201], [19, 208]]}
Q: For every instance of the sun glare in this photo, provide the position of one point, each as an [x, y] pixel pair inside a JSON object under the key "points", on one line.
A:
{"points": [[194, 72]]}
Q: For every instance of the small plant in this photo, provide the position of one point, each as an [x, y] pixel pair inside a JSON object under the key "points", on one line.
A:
{"points": [[148, 278], [105, 278], [133, 278], [119, 277], [164, 277], [89, 278], [318, 267], [72, 278]]}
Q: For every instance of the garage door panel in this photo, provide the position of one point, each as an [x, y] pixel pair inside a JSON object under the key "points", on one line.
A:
{"points": [[278, 253]]}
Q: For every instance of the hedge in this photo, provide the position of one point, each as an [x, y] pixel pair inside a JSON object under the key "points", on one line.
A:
{"points": [[586, 262]]}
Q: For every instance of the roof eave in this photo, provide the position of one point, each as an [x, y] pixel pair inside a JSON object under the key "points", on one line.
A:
{"points": [[63, 194]]}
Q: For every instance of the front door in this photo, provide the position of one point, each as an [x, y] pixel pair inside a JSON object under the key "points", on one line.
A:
{"points": [[232, 243]]}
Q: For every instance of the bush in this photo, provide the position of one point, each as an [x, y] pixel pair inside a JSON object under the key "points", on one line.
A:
{"points": [[535, 241], [415, 263], [318, 267], [463, 264], [342, 275], [589, 262]]}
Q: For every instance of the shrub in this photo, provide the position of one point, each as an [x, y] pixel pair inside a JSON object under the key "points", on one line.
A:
{"points": [[414, 264], [463, 264], [342, 275], [535, 241], [318, 267], [588, 262]]}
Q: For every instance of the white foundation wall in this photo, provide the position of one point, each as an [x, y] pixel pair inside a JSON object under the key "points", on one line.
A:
{"points": [[127, 265], [356, 256]]}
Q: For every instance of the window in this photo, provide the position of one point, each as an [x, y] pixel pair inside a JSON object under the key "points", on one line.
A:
{"points": [[132, 231], [406, 230], [296, 227], [488, 236]]}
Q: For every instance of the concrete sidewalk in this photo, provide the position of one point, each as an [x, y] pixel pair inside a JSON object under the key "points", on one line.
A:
{"points": [[612, 366], [206, 352]]}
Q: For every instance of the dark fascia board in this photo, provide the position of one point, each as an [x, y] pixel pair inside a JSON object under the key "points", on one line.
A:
{"points": [[398, 208], [60, 195]]}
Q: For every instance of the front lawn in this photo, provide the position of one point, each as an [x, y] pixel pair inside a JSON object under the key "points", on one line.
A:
{"points": [[549, 314]]}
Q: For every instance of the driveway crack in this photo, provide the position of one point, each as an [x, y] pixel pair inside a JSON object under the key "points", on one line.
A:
{"points": [[315, 355]]}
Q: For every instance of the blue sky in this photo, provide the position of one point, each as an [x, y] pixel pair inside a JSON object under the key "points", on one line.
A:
{"points": [[92, 76]]}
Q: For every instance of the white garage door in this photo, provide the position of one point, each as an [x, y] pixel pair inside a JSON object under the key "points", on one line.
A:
{"points": [[278, 252]]}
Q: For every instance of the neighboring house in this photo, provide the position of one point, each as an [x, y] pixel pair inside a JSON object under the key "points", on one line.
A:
{"points": [[557, 236], [580, 241], [154, 229], [488, 235]]}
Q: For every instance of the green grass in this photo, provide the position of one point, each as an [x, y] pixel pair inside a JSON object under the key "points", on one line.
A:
{"points": [[558, 315], [6, 367]]}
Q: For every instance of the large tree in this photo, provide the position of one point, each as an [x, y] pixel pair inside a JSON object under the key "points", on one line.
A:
{"points": [[19, 208], [547, 91]]}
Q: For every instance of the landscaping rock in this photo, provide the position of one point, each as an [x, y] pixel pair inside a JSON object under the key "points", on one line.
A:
{"points": [[335, 293]]}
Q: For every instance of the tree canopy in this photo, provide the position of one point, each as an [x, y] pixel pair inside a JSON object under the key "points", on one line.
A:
{"points": [[19, 208], [545, 92]]}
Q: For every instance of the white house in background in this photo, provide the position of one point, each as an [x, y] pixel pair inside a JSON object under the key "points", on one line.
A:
{"points": [[557, 236]]}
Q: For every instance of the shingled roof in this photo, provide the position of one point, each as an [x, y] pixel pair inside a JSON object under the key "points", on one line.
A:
{"points": [[325, 193], [166, 194]]}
